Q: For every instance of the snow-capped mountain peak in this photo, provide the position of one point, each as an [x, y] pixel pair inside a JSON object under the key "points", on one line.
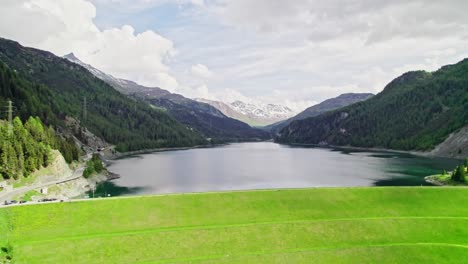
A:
{"points": [[259, 110], [253, 113]]}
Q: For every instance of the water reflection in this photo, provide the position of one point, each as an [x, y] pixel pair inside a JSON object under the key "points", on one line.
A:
{"points": [[109, 188], [266, 165]]}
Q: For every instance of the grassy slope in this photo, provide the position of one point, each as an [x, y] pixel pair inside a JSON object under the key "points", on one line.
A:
{"points": [[337, 225]]}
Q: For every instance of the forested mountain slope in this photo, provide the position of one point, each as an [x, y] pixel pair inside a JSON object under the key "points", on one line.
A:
{"points": [[27, 147], [416, 111], [325, 106], [201, 116], [42, 84]]}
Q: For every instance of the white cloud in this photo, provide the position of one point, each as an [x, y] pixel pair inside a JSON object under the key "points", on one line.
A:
{"points": [[67, 26], [275, 51], [311, 50], [371, 20], [201, 71], [198, 2], [231, 95], [138, 5]]}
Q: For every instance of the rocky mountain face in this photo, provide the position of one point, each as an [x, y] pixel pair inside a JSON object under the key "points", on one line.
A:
{"points": [[250, 113], [455, 146], [263, 114], [124, 86], [205, 118], [325, 106], [227, 110], [417, 111]]}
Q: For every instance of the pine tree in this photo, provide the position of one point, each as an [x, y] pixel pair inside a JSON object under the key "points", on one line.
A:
{"points": [[454, 175], [4, 160], [461, 174], [20, 157], [12, 162]]}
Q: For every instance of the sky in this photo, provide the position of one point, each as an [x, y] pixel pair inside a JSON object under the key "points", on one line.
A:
{"points": [[290, 52]]}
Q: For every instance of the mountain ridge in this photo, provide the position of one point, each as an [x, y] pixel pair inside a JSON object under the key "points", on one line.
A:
{"points": [[254, 114], [207, 119], [328, 105], [416, 111]]}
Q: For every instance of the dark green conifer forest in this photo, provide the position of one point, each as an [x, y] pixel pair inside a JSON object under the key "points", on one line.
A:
{"points": [[25, 148], [416, 111]]}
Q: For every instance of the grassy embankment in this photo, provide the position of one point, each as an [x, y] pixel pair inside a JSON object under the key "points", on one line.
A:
{"points": [[324, 225]]}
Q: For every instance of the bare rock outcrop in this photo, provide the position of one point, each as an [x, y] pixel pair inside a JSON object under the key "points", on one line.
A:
{"points": [[455, 146]]}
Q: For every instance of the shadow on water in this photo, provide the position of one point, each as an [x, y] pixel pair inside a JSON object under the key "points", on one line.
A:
{"points": [[391, 155], [412, 170], [402, 181], [107, 188]]}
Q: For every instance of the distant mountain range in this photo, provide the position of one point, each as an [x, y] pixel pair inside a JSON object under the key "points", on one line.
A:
{"points": [[416, 111], [210, 121], [263, 113], [254, 114], [325, 106]]}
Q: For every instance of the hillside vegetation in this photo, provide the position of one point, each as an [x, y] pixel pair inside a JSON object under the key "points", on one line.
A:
{"points": [[42, 84], [416, 111], [326, 225], [323, 107], [26, 148]]}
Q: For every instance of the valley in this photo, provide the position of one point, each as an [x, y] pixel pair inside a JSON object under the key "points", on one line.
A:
{"points": [[233, 131], [198, 115]]}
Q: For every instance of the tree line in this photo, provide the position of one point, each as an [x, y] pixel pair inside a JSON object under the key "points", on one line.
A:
{"points": [[25, 148], [94, 165], [459, 173]]}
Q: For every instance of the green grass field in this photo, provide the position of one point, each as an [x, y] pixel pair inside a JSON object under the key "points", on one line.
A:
{"points": [[322, 225]]}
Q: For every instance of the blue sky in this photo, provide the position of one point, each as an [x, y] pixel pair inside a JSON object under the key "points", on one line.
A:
{"points": [[294, 53], [160, 18]]}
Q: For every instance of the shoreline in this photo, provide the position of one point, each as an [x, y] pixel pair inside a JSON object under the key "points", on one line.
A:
{"points": [[74, 200], [426, 154], [119, 155], [437, 181], [432, 179]]}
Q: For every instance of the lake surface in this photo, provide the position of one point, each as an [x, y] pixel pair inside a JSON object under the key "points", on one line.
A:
{"points": [[264, 165]]}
